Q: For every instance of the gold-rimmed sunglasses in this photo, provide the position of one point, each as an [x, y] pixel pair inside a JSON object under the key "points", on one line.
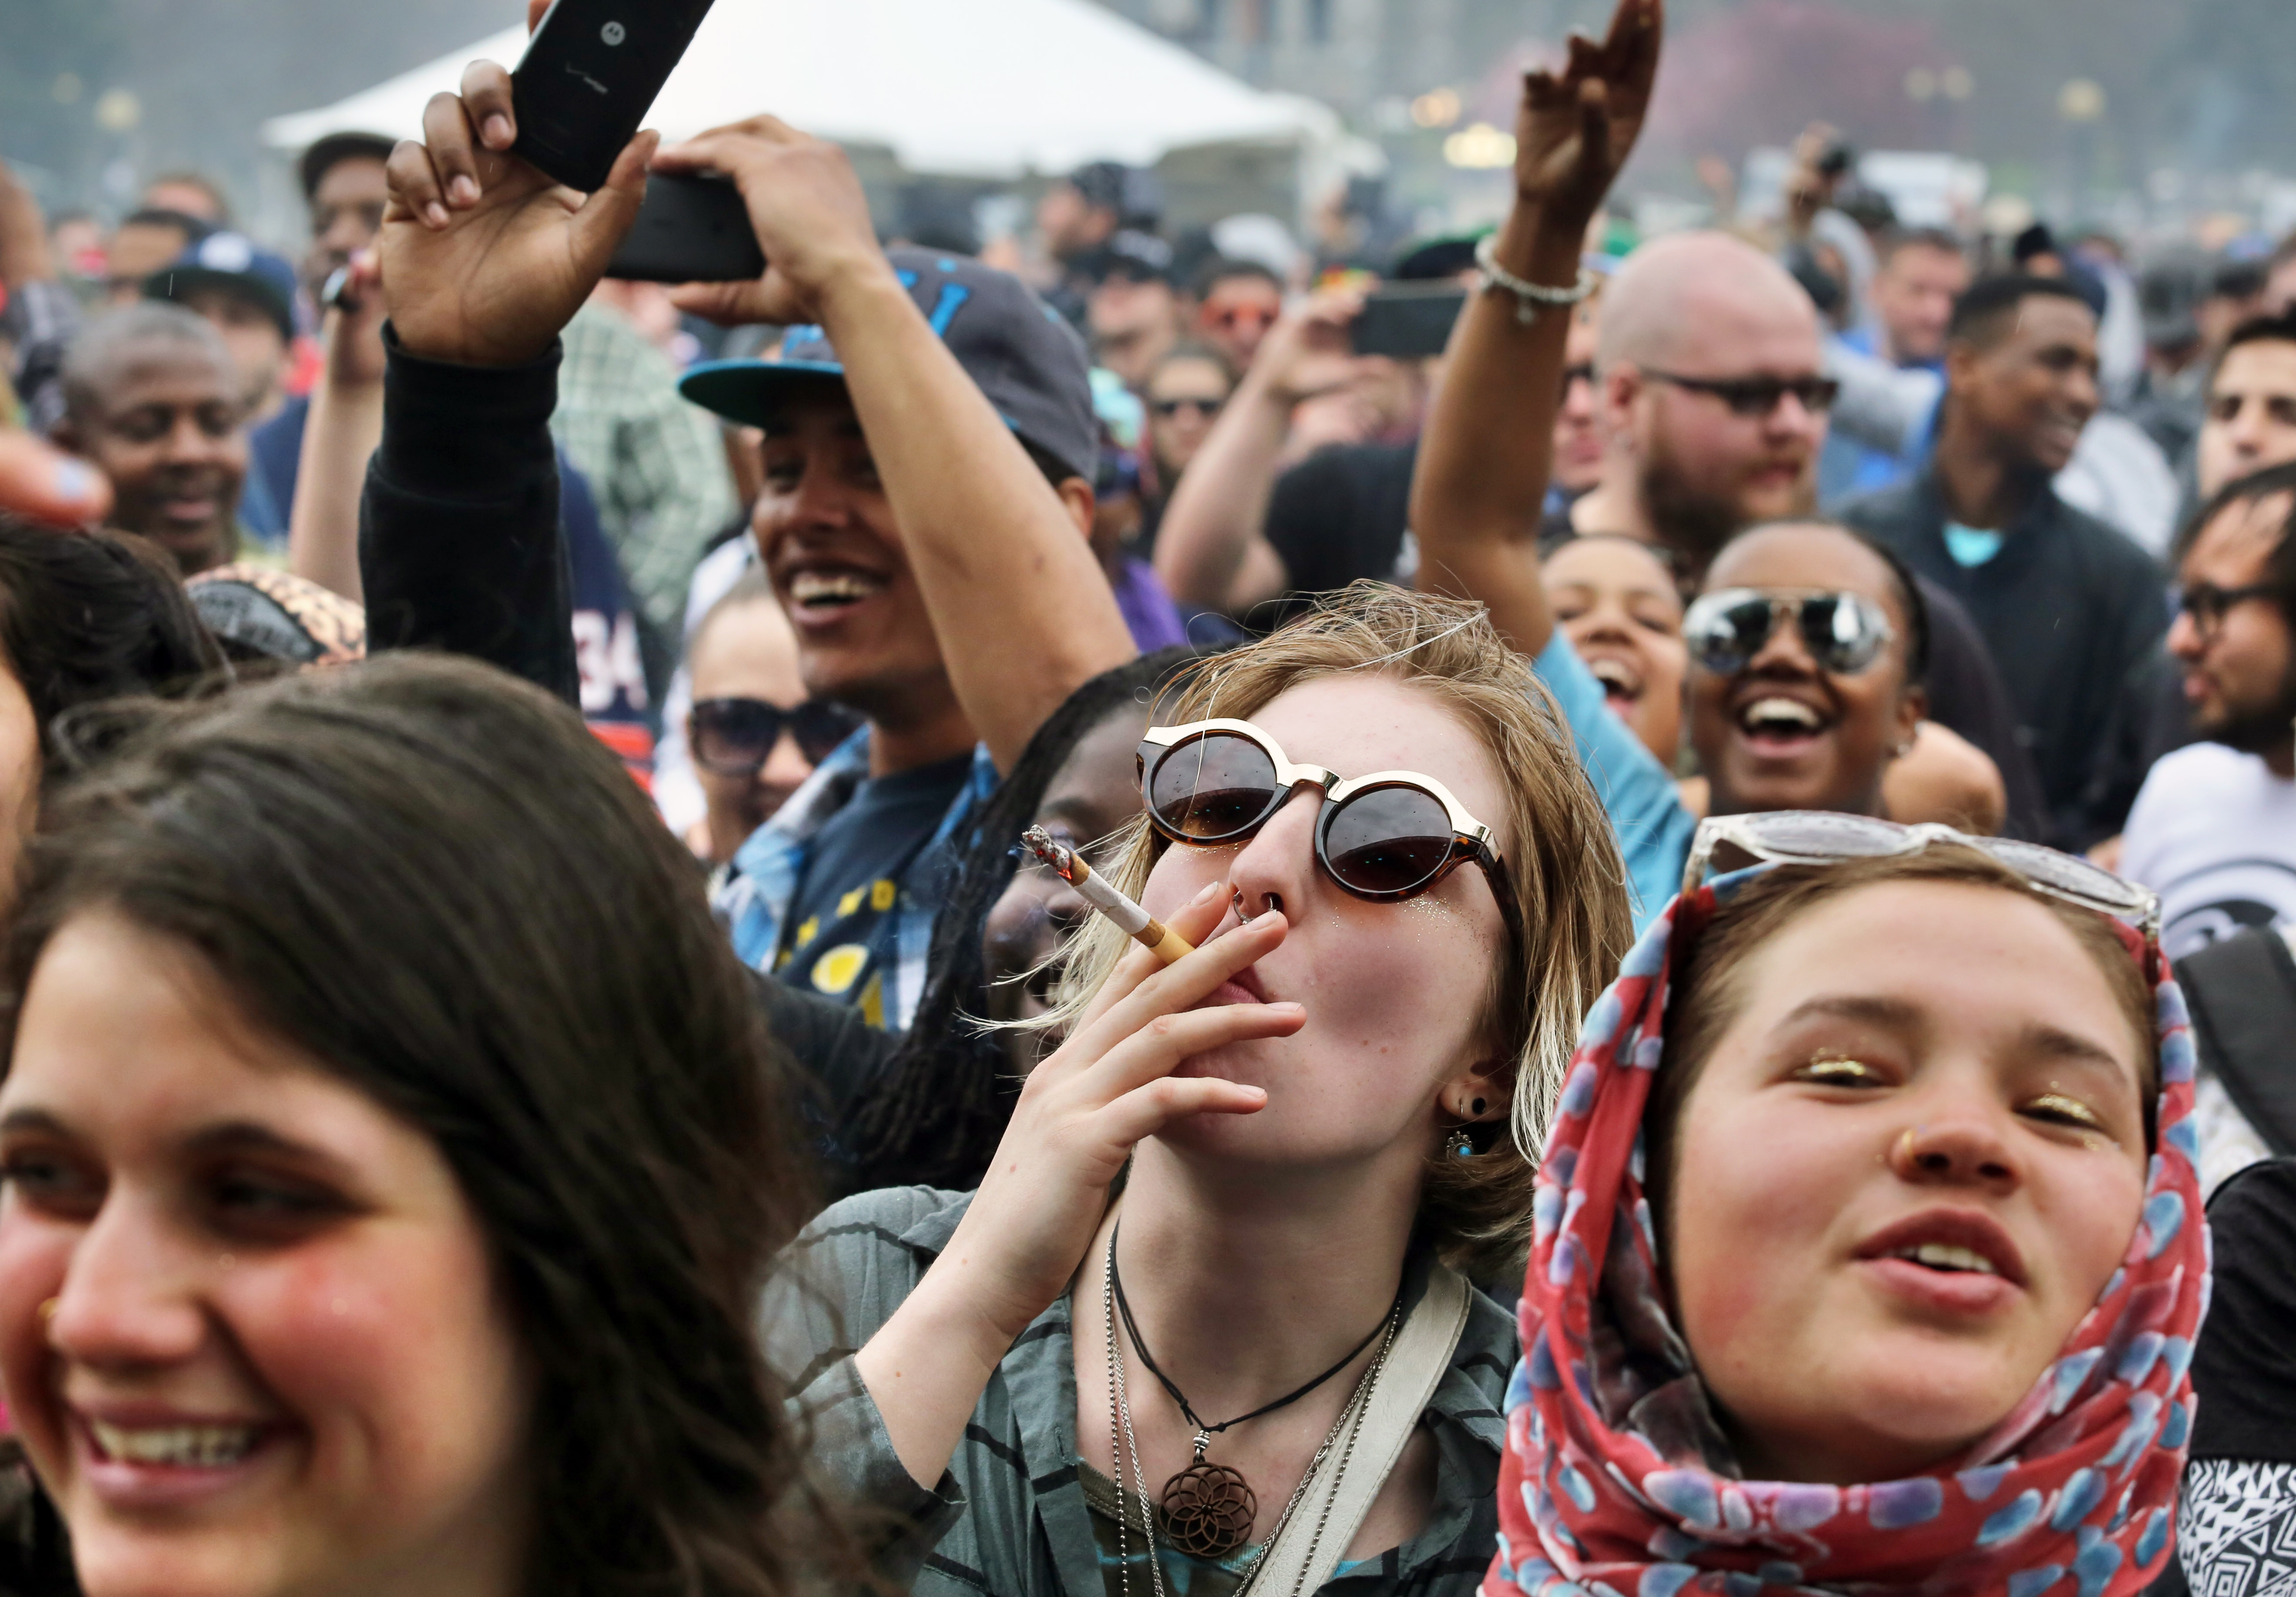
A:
{"points": [[1385, 837]]}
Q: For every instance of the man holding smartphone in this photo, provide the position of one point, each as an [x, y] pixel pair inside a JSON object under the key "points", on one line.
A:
{"points": [[941, 580]]}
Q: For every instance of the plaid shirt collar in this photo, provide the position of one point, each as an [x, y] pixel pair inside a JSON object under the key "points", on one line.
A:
{"points": [[753, 899]]}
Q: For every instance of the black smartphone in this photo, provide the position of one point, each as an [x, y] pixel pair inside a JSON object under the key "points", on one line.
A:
{"points": [[690, 229], [589, 75], [1409, 321]]}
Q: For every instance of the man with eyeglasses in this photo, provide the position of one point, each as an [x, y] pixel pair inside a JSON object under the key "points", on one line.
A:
{"points": [[1709, 380], [2069, 608], [2214, 830]]}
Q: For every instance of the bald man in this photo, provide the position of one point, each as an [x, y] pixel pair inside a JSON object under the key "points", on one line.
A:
{"points": [[1713, 394], [152, 400]]}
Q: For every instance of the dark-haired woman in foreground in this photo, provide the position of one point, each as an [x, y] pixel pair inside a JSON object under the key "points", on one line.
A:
{"points": [[1870, 1250], [392, 1163]]}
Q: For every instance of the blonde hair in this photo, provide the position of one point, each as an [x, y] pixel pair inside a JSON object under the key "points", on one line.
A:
{"points": [[1560, 856]]}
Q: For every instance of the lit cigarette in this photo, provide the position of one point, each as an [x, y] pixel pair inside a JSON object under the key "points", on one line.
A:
{"points": [[1138, 924]]}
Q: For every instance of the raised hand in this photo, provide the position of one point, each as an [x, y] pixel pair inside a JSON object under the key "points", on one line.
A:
{"points": [[1575, 129], [1029, 1228], [485, 259], [1310, 350], [808, 208]]}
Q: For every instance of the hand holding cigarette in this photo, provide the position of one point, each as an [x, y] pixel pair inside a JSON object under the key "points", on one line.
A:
{"points": [[1138, 924]]}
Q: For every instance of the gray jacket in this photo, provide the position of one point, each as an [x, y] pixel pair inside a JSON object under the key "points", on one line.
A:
{"points": [[1011, 1517]]}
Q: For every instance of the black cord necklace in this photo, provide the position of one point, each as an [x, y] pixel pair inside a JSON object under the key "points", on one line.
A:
{"points": [[1208, 1509]]}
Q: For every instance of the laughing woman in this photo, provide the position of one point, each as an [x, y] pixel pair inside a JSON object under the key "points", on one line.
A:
{"points": [[391, 1162], [1869, 1247], [1262, 1333]]}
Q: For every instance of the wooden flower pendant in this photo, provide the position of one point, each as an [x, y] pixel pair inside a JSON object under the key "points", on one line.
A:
{"points": [[1207, 1508]]}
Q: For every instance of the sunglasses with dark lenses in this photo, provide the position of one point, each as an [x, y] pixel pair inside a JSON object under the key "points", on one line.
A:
{"points": [[1385, 837], [1168, 409], [1758, 397], [734, 737], [1844, 633]]}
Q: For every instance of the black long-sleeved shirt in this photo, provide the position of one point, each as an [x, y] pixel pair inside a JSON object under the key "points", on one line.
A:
{"points": [[459, 545]]}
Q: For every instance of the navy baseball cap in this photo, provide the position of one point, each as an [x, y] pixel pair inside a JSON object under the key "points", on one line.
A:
{"points": [[233, 263], [1016, 349]]}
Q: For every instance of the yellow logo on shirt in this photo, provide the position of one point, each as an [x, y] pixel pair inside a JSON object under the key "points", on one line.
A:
{"points": [[881, 895], [836, 970]]}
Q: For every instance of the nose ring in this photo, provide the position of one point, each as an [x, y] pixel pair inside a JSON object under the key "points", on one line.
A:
{"points": [[1242, 913]]}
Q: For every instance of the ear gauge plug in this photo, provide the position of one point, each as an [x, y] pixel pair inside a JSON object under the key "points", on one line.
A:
{"points": [[1479, 1106]]}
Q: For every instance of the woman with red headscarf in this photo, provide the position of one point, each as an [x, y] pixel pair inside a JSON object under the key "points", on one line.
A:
{"points": [[1869, 1251]]}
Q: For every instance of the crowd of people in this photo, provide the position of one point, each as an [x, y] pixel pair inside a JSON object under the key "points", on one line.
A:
{"points": [[1762, 1061]]}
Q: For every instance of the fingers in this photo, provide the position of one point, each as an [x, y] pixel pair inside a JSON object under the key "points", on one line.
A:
{"points": [[486, 97], [1594, 127], [414, 184], [1634, 67], [1160, 1047], [598, 228], [448, 135], [536, 9], [1143, 1112], [719, 149], [727, 304], [1178, 985], [1196, 921]]}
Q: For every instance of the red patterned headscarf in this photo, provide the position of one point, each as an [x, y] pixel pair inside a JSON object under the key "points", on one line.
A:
{"points": [[1616, 1482]]}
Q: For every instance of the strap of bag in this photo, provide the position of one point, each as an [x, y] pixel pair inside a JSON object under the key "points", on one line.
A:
{"points": [[2241, 992], [1316, 1537]]}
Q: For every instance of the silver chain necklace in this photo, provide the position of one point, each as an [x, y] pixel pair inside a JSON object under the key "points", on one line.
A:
{"points": [[1121, 1441]]}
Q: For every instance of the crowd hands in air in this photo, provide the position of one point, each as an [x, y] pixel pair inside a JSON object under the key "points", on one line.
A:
{"points": [[1654, 1083]]}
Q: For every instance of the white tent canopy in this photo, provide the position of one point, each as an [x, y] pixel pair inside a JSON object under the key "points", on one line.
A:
{"points": [[988, 88]]}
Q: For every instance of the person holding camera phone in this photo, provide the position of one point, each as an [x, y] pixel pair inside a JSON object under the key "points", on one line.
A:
{"points": [[937, 576]]}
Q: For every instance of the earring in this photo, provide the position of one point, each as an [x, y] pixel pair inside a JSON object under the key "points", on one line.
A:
{"points": [[1457, 1145], [1479, 1106]]}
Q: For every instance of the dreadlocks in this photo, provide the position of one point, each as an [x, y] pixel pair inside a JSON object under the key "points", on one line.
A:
{"points": [[942, 1103]]}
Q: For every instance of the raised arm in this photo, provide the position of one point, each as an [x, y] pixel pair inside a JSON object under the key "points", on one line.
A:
{"points": [[1483, 463], [340, 436], [484, 260], [1021, 608], [1211, 549]]}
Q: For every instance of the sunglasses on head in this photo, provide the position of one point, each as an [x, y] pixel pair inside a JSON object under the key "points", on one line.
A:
{"points": [[734, 737], [1819, 837], [1386, 836], [1758, 397], [1844, 633]]}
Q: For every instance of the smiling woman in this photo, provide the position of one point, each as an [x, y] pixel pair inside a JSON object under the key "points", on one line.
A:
{"points": [[1870, 1246], [390, 1164]]}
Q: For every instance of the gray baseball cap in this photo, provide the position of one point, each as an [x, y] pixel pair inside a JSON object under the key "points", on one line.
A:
{"points": [[1016, 349]]}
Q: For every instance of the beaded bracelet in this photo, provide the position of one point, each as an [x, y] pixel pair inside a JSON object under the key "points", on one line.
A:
{"points": [[1529, 298]]}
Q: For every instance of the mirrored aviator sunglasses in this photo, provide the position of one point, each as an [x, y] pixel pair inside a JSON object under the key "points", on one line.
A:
{"points": [[735, 737], [1386, 836], [1844, 633]]}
